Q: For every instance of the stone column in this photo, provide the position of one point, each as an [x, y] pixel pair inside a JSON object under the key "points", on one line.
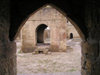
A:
{"points": [[7, 47], [91, 57], [91, 47], [7, 57], [28, 37], [54, 46], [63, 37], [58, 37]]}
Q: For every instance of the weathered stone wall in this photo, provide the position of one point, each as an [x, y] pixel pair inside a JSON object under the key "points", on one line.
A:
{"points": [[91, 46], [7, 47], [54, 20], [71, 29], [59, 29], [90, 58]]}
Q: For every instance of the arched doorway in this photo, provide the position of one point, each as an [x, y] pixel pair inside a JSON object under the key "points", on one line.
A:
{"points": [[90, 25], [42, 34], [71, 35], [58, 34]]}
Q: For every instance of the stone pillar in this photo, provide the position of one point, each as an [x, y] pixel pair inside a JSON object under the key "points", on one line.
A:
{"points": [[63, 38], [58, 37], [54, 46], [7, 57], [91, 47], [7, 47], [91, 57], [28, 37]]}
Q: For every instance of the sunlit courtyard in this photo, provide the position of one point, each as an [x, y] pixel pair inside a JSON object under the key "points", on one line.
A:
{"points": [[55, 62]]}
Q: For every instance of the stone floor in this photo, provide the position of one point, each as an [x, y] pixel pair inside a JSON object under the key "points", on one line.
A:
{"points": [[53, 64], [66, 73]]}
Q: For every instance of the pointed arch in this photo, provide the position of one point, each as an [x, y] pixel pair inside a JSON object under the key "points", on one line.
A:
{"points": [[79, 30]]}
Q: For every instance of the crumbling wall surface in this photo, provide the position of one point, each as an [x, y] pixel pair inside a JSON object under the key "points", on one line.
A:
{"points": [[7, 47], [91, 47]]}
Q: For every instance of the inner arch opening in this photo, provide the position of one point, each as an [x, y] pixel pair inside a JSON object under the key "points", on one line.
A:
{"points": [[42, 33]]}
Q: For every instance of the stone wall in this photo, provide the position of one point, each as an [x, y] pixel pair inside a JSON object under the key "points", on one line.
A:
{"points": [[71, 29], [91, 46], [51, 18], [87, 19], [7, 47], [59, 29]]}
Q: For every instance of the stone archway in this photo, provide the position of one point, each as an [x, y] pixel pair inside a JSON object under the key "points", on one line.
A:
{"points": [[71, 35], [54, 19], [55, 47], [40, 33], [87, 21]]}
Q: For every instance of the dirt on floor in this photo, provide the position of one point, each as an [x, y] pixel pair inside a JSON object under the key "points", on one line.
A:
{"points": [[69, 61]]}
